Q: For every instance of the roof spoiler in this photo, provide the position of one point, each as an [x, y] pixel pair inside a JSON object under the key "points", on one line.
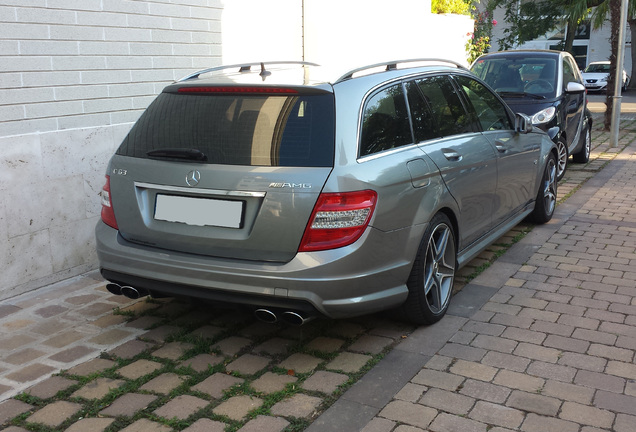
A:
{"points": [[244, 67]]}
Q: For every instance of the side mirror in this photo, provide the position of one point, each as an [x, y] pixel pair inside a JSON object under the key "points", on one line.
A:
{"points": [[523, 124], [574, 87]]}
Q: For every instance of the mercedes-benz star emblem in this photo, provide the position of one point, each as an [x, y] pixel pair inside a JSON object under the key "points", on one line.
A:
{"points": [[193, 177]]}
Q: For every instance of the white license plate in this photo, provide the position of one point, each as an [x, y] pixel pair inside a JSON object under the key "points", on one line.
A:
{"points": [[199, 211]]}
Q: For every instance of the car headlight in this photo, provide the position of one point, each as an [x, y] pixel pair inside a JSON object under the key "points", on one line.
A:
{"points": [[604, 78], [543, 116]]}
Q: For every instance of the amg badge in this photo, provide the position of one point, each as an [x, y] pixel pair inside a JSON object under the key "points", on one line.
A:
{"points": [[290, 185]]}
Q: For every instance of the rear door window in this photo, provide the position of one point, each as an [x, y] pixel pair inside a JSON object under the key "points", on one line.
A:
{"points": [[424, 127], [448, 112], [239, 129], [385, 122]]}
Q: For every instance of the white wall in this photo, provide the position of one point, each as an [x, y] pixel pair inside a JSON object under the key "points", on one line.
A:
{"points": [[352, 33], [253, 30], [74, 74]]}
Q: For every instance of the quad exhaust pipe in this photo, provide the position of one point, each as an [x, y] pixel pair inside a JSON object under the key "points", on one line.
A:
{"points": [[126, 290], [295, 318], [289, 317]]}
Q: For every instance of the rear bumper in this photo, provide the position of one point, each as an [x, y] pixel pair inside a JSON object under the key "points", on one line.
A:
{"points": [[161, 288], [365, 277]]}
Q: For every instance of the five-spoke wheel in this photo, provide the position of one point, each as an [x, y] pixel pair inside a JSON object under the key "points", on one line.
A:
{"points": [[431, 281]]}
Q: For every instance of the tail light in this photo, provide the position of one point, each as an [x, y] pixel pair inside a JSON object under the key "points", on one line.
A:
{"points": [[338, 220], [108, 215]]}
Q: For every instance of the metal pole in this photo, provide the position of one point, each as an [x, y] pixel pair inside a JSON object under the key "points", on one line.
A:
{"points": [[618, 81]]}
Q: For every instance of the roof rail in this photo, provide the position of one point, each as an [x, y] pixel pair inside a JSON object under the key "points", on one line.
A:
{"points": [[392, 65], [243, 67]]}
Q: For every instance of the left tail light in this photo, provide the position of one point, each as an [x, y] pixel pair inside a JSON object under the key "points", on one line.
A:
{"points": [[108, 215], [338, 220]]}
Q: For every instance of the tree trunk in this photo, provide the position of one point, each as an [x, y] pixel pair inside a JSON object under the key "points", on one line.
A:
{"points": [[615, 20], [569, 35], [632, 30]]}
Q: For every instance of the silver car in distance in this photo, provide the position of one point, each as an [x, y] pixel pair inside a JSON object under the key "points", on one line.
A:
{"points": [[296, 196]]}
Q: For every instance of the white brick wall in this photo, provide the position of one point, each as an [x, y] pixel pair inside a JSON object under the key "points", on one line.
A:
{"points": [[74, 75], [111, 43]]}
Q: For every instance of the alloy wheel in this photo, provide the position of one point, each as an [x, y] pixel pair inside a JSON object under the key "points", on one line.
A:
{"points": [[588, 144], [439, 270], [562, 162], [550, 187]]}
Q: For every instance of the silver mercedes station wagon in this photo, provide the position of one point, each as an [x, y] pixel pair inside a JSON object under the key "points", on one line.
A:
{"points": [[296, 196]]}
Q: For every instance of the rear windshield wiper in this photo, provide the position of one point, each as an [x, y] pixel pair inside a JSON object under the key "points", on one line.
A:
{"points": [[180, 154], [520, 94]]}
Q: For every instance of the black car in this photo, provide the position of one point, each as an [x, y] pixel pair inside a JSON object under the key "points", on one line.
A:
{"points": [[547, 86]]}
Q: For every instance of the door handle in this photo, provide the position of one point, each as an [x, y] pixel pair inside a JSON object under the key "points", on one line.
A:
{"points": [[451, 155], [501, 147]]}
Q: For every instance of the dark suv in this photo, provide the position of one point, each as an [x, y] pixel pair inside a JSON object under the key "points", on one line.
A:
{"points": [[547, 86]]}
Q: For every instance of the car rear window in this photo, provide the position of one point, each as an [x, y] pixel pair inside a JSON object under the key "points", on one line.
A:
{"points": [[238, 129]]}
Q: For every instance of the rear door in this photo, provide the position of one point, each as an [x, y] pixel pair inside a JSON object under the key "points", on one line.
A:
{"points": [[464, 157], [517, 155], [227, 172]]}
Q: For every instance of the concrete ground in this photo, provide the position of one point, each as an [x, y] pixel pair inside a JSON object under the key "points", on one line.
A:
{"points": [[542, 340]]}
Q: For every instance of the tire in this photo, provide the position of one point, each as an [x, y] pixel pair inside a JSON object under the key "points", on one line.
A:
{"points": [[584, 155], [431, 280], [562, 161], [547, 194]]}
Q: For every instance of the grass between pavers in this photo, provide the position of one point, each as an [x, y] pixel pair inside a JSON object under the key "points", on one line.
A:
{"points": [[91, 408]]}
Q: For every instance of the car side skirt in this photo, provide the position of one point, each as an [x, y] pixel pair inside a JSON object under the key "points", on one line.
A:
{"points": [[464, 256]]}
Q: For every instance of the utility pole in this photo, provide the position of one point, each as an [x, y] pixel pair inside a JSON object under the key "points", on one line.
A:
{"points": [[618, 81]]}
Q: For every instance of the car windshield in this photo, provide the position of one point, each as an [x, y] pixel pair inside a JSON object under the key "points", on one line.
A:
{"points": [[598, 67], [517, 75]]}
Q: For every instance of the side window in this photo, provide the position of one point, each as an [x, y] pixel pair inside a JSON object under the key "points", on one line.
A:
{"points": [[385, 122], [449, 113], [491, 113], [424, 126], [568, 73]]}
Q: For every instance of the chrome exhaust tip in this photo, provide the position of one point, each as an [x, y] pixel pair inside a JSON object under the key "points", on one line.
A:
{"points": [[133, 293], [265, 315], [295, 318], [113, 288]]}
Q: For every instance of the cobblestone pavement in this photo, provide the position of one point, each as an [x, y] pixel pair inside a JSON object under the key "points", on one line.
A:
{"points": [[540, 340]]}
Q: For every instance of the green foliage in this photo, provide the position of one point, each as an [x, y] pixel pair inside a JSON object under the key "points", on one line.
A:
{"points": [[529, 20], [479, 41], [461, 7]]}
